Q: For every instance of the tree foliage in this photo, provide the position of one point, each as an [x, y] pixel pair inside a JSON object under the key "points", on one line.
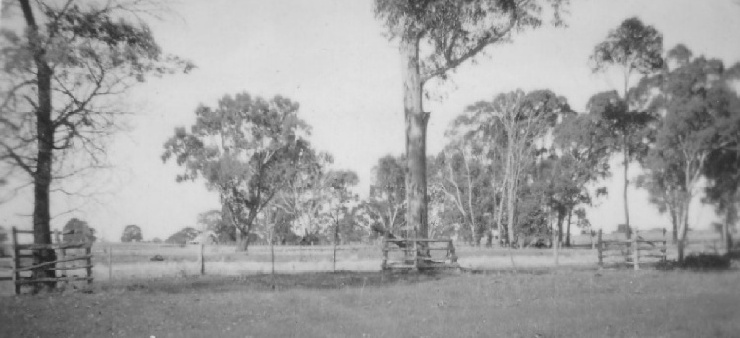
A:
{"points": [[62, 71], [212, 221], [386, 201], [452, 32], [341, 206], [525, 119], [436, 37], [183, 236], [633, 47], [77, 230], [699, 119], [132, 233], [247, 149]]}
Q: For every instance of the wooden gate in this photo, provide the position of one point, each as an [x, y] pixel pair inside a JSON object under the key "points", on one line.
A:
{"points": [[413, 257], [69, 257]]}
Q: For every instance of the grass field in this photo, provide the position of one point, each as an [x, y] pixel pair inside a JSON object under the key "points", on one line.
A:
{"points": [[132, 260], [549, 303]]}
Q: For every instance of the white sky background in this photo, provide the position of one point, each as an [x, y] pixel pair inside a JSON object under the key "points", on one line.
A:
{"points": [[331, 57]]}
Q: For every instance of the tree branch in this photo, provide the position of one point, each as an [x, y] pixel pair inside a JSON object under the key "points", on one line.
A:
{"points": [[452, 62]]}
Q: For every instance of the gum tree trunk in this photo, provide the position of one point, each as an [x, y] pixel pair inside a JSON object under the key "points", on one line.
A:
{"points": [[416, 127], [626, 184], [42, 177], [567, 232]]}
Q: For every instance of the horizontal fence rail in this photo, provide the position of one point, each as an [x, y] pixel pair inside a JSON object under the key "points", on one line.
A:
{"points": [[67, 254], [412, 247], [631, 250]]}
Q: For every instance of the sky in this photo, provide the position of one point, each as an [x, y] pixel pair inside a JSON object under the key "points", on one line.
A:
{"points": [[331, 57]]}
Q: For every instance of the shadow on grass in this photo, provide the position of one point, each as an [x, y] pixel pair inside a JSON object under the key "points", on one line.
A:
{"points": [[280, 282]]}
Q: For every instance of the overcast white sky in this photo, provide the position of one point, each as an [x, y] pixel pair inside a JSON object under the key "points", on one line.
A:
{"points": [[331, 57]]}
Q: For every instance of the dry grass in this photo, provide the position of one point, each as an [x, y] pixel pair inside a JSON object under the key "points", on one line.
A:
{"points": [[132, 260], [559, 303]]}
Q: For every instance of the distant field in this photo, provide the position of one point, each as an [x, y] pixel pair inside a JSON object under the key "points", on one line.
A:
{"points": [[558, 303], [132, 260]]}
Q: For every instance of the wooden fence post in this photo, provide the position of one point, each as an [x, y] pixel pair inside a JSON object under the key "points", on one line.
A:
{"points": [[635, 251], [62, 251], [334, 250], [16, 261], [665, 247], [451, 251], [202, 261], [556, 246], [110, 263], [88, 261], [601, 250], [384, 264], [416, 255]]}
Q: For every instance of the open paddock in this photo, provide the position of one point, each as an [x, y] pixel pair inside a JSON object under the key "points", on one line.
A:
{"points": [[554, 303], [133, 260]]}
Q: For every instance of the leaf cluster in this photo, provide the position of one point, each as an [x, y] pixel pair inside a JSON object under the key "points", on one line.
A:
{"points": [[455, 31]]}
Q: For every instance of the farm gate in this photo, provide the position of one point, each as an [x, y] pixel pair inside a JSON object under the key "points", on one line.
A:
{"points": [[632, 251], [69, 257], [411, 259]]}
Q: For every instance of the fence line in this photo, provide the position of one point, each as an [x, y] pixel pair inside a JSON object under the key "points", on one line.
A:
{"points": [[61, 264], [143, 259], [632, 249]]}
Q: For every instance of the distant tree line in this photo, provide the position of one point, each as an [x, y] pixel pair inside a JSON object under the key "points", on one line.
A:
{"points": [[520, 168]]}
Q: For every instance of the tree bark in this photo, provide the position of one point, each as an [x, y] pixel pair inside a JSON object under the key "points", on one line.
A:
{"points": [[500, 210], [683, 228], [416, 125], [510, 192], [511, 210], [674, 224], [567, 232], [42, 177], [561, 218], [726, 230], [626, 184]]}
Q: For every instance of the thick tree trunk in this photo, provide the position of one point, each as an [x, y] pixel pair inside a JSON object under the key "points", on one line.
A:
{"points": [[561, 218], [674, 224], [45, 141], [416, 126], [626, 184], [242, 241], [500, 215], [511, 196], [556, 246], [567, 231], [511, 211], [726, 231], [730, 215], [683, 228]]}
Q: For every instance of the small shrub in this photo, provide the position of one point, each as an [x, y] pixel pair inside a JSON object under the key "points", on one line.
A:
{"points": [[706, 262]]}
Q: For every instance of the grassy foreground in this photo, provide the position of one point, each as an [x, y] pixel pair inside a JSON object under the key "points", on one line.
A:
{"points": [[559, 303]]}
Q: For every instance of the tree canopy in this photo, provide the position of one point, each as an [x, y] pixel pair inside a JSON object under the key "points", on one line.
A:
{"points": [[132, 233], [77, 230], [699, 120], [247, 149], [436, 37]]}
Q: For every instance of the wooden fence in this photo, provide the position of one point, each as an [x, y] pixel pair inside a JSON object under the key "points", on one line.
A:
{"points": [[67, 254], [412, 259], [632, 250]]}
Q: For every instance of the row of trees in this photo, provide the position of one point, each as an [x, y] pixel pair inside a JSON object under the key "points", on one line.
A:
{"points": [[88, 54], [526, 163], [271, 181], [523, 164]]}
